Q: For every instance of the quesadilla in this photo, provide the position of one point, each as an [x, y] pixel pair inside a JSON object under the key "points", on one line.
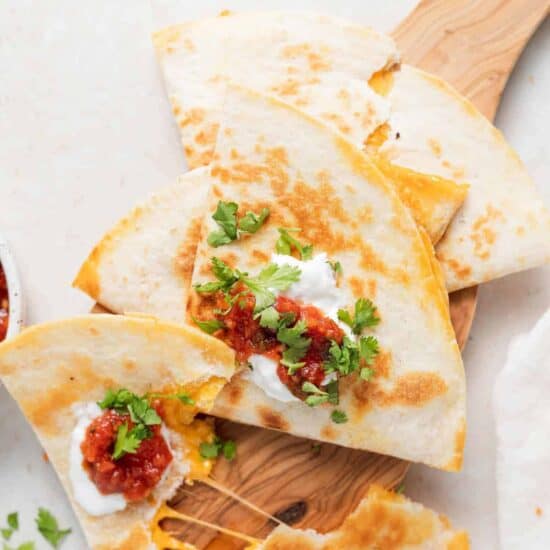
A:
{"points": [[311, 268], [112, 400], [426, 138], [383, 520], [334, 70], [503, 226]]}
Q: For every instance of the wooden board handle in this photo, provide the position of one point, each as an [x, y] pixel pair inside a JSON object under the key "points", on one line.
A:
{"points": [[473, 44]]}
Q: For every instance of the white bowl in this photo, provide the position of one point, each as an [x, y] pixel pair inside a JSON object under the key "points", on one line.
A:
{"points": [[15, 323]]}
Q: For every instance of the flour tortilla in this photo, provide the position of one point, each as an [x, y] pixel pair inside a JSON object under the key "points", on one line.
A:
{"points": [[503, 226], [319, 64], [383, 520], [144, 263], [270, 154], [522, 416], [48, 368]]}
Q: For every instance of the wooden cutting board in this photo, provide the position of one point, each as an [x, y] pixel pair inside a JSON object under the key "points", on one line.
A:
{"points": [[474, 45]]}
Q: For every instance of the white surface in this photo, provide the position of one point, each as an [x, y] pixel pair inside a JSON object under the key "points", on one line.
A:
{"points": [[87, 131], [85, 490], [522, 417]]}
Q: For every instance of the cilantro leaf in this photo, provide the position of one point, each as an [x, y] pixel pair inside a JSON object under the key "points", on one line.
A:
{"points": [[368, 349], [336, 267], [277, 277], [364, 316], [229, 450], [308, 387], [6, 533], [314, 400], [339, 417], [13, 520], [297, 344], [286, 242], [49, 528], [142, 413], [269, 318], [366, 374], [210, 326], [218, 238], [226, 217], [117, 400], [28, 545], [333, 392], [212, 450], [127, 442], [250, 222]]}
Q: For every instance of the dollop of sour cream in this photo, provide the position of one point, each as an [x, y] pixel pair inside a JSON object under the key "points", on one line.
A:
{"points": [[264, 375], [84, 490], [317, 287]]}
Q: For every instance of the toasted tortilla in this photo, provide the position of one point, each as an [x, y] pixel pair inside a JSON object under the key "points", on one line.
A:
{"points": [[271, 154], [51, 367], [382, 520], [503, 226], [144, 264], [332, 69]]}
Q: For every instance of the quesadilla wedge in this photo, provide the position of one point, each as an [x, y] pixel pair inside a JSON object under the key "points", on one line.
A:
{"points": [[144, 264], [332, 69], [312, 269], [112, 400], [503, 226], [383, 520]]}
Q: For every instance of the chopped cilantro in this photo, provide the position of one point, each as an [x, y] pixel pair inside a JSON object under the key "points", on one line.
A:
{"points": [[317, 396], [212, 450], [270, 318], [129, 442], [336, 267], [13, 520], [351, 355], [272, 277], [286, 242], [250, 222], [297, 344], [339, 417], [29, 545], [364, 316], [366, 374], [226, 218], [49, 528], [210, 326], [368, 349]]}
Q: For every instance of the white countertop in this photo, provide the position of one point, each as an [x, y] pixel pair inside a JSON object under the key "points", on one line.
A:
{"points": [[87, 131]]}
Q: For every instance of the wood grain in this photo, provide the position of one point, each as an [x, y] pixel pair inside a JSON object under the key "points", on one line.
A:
{"points": [[474, 45]]}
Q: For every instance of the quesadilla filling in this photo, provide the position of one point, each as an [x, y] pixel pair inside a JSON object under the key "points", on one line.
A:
{"points": [[122, 442], [308, 347]]}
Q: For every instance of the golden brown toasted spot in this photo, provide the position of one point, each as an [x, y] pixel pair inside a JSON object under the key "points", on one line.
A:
{"points": [[382, 81], [287, 88], [461, 271], [435, 146], [538, 511], [234, 392], [196, 159], [259, 256], [208, 135], [338, 121], [185, 256], [167, 39], [455, 463], [87, 279], [520, 230], [417, 388], [230, 258], [460, 541], [482, 234], [357, 286], [381, 523], [272, 419], [328, 432], [76, 380], [129, 365], [193, 116], [315, 60]]}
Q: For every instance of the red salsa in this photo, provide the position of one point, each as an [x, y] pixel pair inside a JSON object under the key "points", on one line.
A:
{"points": [[135, 474], [4, 305], [245, 335]]}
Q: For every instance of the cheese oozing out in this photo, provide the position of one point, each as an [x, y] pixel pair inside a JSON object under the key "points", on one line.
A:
{"points": [[317, 287]]}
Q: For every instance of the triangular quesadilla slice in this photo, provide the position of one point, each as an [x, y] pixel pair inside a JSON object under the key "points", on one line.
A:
{"points": [[332, 69], [383, 520], [112, 400], [312, 269], [503, 226], [144, 264]]}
